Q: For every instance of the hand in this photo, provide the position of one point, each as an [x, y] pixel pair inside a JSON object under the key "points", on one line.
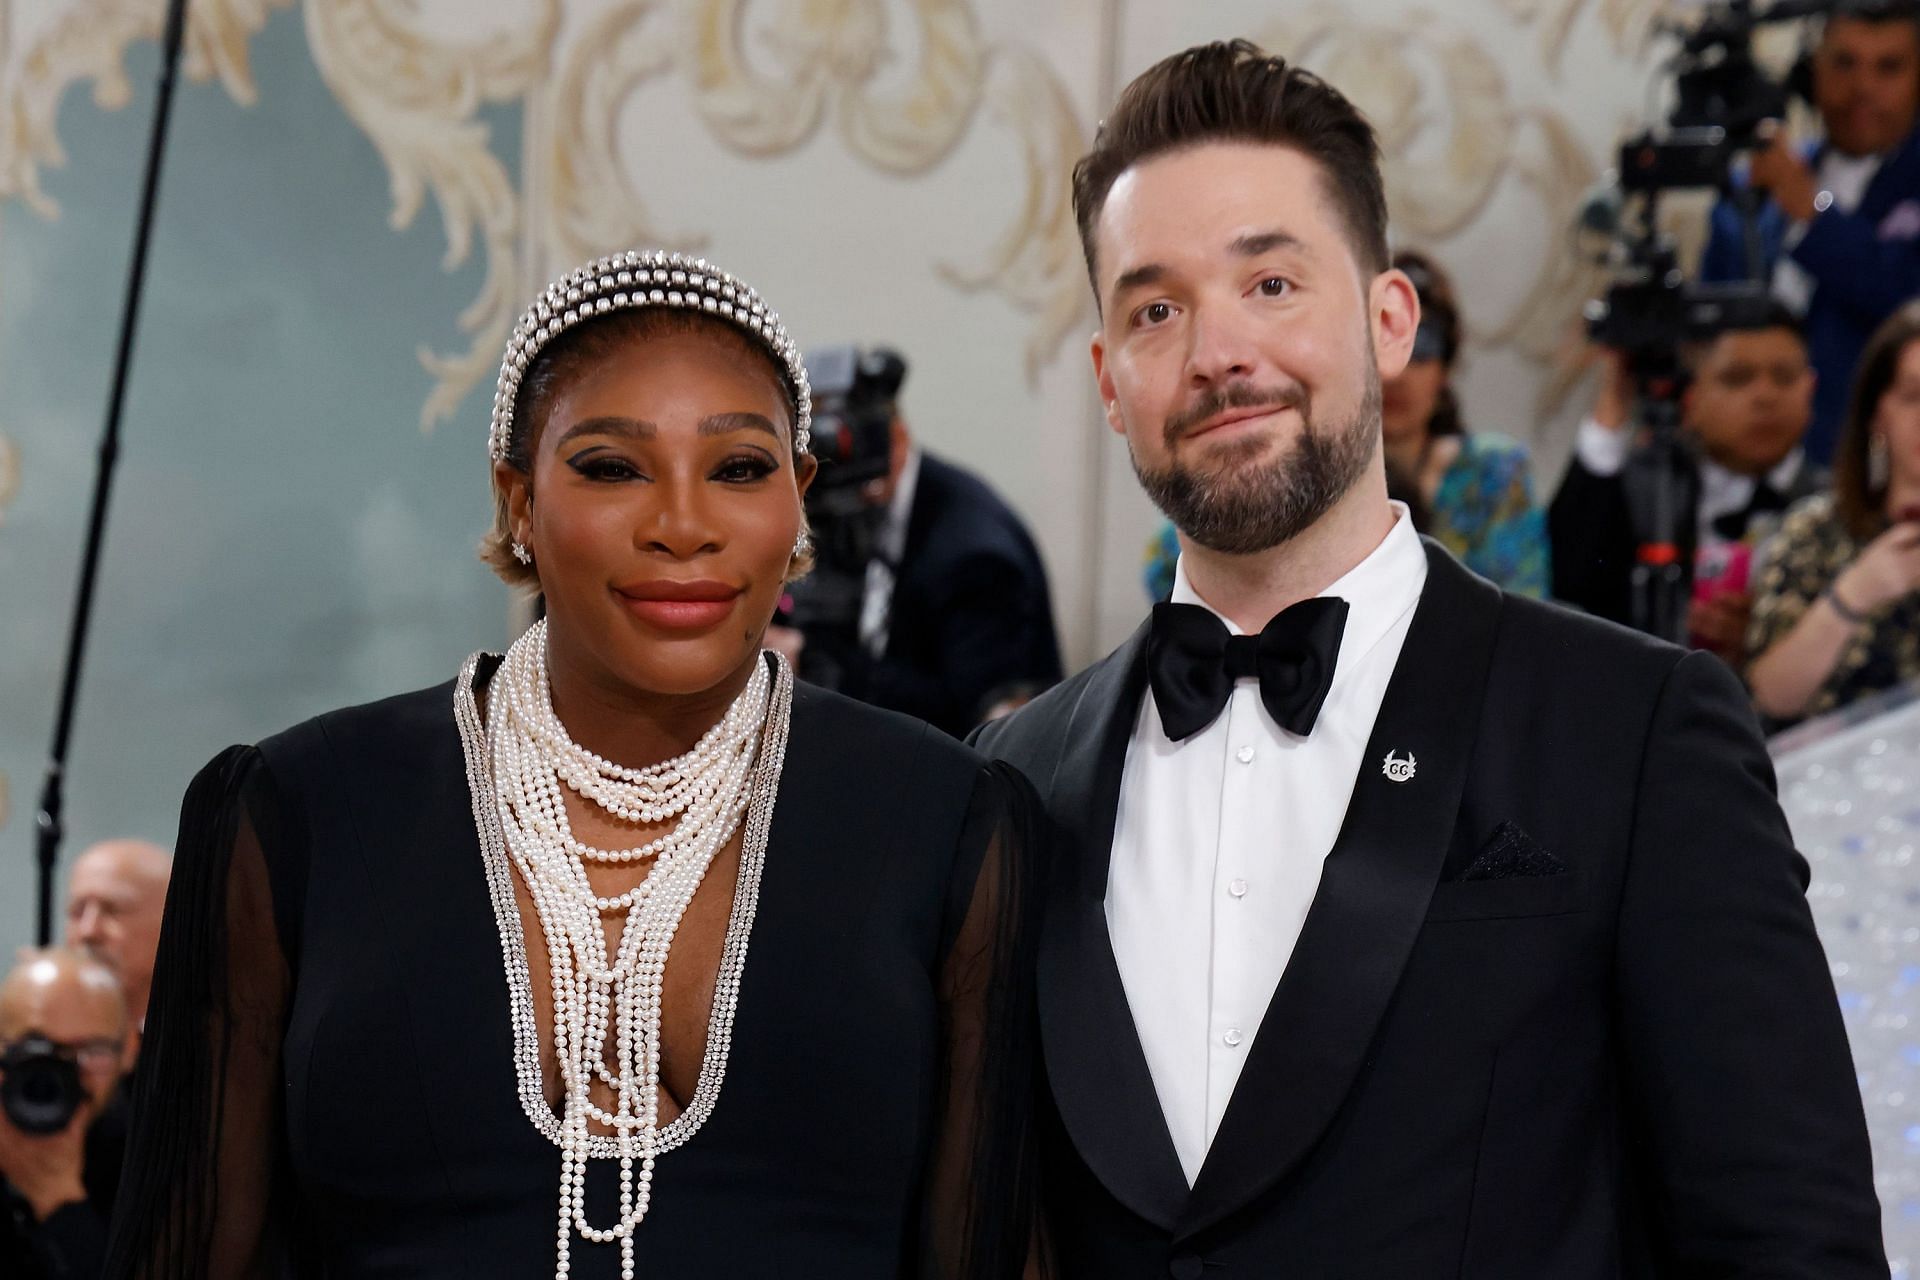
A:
{"points": [[1720, 622], [1614, 405], [788, 642], [45, 1168], [1778, 170], [1888, 569]]}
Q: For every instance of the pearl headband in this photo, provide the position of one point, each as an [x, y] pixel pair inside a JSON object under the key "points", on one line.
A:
{"points": [[631, 280]]}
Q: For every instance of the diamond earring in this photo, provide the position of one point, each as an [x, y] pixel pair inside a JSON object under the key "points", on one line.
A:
{"points": [[521, 553], [802, 544]]}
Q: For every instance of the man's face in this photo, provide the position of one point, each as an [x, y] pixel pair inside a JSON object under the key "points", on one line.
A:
{"points": [[85, 1018], [115, 899], [1866, 83], [1751, 399], [1241, 346]]}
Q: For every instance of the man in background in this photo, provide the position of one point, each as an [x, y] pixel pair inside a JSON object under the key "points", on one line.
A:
{"points": [[929, 596], [1740, 464], [63, 1032], [1840, 230]]}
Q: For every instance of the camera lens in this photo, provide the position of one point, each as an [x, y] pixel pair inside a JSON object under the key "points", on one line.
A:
{"points": [[39, 1086]]}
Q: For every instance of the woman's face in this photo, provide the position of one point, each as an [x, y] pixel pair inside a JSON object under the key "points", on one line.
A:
{"points": [[1408, 399], [1896, 419], [662, 514]]}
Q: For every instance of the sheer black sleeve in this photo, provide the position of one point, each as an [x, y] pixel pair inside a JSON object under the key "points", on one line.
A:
{"points": [[201, 1192], [979, 1219]]}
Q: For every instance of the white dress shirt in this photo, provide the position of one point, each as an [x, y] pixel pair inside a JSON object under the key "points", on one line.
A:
{"points": [[876, 604], [1219, 841]]}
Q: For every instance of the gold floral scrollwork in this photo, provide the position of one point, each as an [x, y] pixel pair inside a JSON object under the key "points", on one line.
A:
{"points": [[823, 50], [1036, 261], [416, 95], [592, 206], [88, 42]]}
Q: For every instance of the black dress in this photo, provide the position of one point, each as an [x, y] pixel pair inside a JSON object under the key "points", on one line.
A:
{"points": [[328, 1083]]}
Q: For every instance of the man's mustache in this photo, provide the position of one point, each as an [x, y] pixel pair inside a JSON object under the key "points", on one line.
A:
{"points": [[1233, 395]]}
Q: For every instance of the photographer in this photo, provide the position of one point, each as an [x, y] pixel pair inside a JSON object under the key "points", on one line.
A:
{"points": [[1738, 466], [1839, 234], [927, 594], [63, 1029]]}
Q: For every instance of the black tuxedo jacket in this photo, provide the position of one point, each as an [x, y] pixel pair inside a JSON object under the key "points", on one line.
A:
{"points": [[1557, 1011], [970, 610], [1594, 525]]}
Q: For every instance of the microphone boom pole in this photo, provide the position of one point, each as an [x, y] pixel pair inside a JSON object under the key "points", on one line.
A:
{"points": [[52, 797]]}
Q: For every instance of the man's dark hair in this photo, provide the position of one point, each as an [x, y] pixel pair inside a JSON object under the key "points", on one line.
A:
{"points": [[1234, 91]]}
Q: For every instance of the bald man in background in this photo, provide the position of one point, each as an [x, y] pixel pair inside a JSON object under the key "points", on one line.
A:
{"points": [[49, 1227], [114, 900]]}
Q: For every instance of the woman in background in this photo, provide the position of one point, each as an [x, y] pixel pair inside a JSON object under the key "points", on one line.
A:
{"points": [[1836, 609]]}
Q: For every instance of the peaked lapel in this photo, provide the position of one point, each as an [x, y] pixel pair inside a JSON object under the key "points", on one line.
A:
{"points": [[1096, 1066], [1371, 902]]}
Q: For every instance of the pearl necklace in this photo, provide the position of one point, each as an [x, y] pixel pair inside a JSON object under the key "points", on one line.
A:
{"points": [[517, 763]]}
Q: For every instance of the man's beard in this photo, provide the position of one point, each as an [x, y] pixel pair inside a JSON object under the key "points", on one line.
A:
{"points": [[1239, 506]]}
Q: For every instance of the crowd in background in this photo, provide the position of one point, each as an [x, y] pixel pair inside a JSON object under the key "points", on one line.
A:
{"points": [[1792, 502]]}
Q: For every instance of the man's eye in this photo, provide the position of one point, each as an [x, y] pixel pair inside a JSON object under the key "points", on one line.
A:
{"points": [[1274, 286], [1154, 313]]}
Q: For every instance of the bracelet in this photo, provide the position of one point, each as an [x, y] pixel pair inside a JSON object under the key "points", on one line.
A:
{"points": [[1847, 613]]}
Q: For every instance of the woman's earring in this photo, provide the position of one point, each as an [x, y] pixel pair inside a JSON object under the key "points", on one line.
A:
{"points": [[802, 544], [521, 553], [1879, 466]]}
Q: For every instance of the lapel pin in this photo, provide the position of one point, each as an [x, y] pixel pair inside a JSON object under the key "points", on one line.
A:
{"points": [[1398, 770]]}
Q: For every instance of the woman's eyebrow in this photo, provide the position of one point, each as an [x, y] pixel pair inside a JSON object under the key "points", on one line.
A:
{"points": [[610, 425], [720, 424]]}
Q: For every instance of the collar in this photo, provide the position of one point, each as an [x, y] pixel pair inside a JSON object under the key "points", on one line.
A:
{"points": [[893, 533], [1723, 490], [1379, 590]]}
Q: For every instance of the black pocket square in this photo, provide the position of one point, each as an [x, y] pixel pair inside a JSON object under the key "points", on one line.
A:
{"points": [[1511, 853]]}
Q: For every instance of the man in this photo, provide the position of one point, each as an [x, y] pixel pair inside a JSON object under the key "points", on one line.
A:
{"points": [[115, 897], [1738, 467], [955, 607], [68, 1003], [1840, 231], [1467, 939]]}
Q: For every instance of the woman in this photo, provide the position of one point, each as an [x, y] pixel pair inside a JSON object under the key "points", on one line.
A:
{"points": [[460, 983], [1836, 612], [1471, 493]]}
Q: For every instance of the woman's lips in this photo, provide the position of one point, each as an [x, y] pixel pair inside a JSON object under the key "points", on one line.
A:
{"points": [[679, 606]]}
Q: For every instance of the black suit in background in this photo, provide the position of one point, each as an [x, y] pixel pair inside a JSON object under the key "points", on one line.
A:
{"points": [[1595, 524], [970, 611], [1632, 1067]]}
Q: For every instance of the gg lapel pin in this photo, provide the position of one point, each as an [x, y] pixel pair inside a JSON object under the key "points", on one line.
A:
{"points": [[1398, 770]]}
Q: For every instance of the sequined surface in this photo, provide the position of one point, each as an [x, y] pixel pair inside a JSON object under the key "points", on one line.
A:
{"points": [[1850, 785]]}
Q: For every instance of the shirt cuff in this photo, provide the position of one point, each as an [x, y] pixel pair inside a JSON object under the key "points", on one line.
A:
{"points": [[1602, 450]]}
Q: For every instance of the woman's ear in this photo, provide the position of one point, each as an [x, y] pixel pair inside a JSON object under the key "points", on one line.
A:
{"points": [[516, 487]]}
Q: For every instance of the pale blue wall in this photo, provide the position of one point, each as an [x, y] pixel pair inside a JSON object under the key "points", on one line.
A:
{"points": [[284, 538]]}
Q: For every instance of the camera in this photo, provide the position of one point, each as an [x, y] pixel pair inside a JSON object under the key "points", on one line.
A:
{"points": [[1721, 98], [39, 1086], [854, 393]]}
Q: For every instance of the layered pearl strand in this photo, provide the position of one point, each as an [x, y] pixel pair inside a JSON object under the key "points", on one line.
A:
{"points": [[518, 764]]}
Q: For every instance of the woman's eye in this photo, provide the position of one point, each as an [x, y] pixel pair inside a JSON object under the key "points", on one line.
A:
{"points": [[606, 468], [745, 470]]}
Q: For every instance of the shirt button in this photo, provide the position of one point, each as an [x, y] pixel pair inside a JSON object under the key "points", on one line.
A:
{"points": [[1244, 755], [1233, 1037], [1238, 888]]}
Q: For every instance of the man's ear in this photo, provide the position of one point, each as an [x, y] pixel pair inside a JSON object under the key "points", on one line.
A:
{"points": [[1393, 308], [1103, 377]]}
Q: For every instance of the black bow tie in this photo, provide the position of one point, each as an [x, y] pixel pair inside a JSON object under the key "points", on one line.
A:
{"points": [[1766, 500], [1193, 661]]}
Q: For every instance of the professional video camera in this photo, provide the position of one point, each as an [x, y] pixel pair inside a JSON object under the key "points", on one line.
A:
{"points": [[39, 1086], [1650, 311], [854, 393]]}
